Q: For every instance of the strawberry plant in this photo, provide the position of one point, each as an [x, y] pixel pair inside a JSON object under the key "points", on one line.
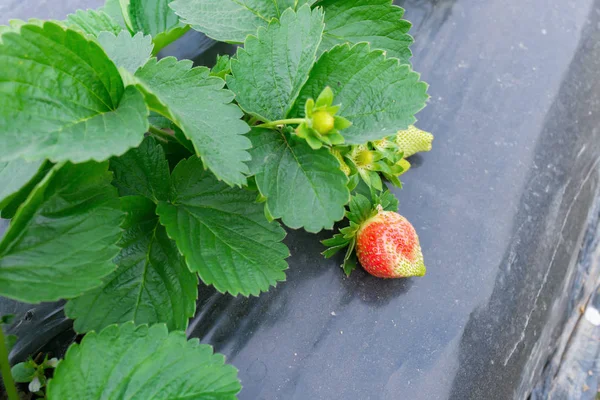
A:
{"points": [[128, 178]]}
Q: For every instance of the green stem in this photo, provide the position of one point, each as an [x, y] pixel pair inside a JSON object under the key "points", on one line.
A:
{"points": [[289, 121], [7, 378], [252, 121], [160, 134]]}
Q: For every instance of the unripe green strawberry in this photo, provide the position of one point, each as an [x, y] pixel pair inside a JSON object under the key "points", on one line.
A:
{"points": [[387, 246], [413, 140], [323, 122]]}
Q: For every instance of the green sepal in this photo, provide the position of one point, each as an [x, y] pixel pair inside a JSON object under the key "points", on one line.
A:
{"points": [[394, 180], [313, 141], [334, 110], [307, 130], [335, 138], [341, 123], [330, 252], [366, 176], [337, 240], [387, 201], [325, 99], [323, 138], [404, 164], [349, 264], [353, 182], [308, 107], [303, 131]]}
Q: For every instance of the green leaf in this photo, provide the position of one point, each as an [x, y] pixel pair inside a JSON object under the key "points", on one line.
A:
{"points": [[126, 51], [62, 98], [92, 22], [14, 175], [200, 106], [10, 341], [156, 18], [232, 20], [23, 372], [143, 171], [11, 204], [378, 94], [303, 187], [151, 283], [378, 22], [269, 71], [140, 363], [7, 319], [152, 16], [223, 233], [164, 39], [222, 66], [62, 240], [114, 10]]}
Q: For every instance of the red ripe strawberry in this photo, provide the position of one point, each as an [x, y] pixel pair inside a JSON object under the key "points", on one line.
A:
{"points": [[387, 246]]}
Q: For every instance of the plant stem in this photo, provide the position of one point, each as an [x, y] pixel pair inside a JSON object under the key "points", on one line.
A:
{"points": [[252, 121], [273, 124], [7, 378], [160, 134]]}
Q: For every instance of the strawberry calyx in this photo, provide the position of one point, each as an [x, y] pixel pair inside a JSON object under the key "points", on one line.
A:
{"points": [[361, 209], [321, 126], [382, 159]]}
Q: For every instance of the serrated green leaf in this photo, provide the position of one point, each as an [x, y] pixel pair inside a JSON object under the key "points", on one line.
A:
{"points": [[223, 233], [141, 363], [303, 187], [152, 17], [63, 99], [62, 240], [9, 207], [378, 22], [156, 18], [114, 10], [269, 71], [14, 175], [143, 171], [92, 22], [200, 106], [378, 94], [126, 51], [151, 283], [232, 20]]}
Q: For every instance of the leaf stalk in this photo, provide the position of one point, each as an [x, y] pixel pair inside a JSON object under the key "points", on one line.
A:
{"points": [[7, 378], [289, 121]]}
